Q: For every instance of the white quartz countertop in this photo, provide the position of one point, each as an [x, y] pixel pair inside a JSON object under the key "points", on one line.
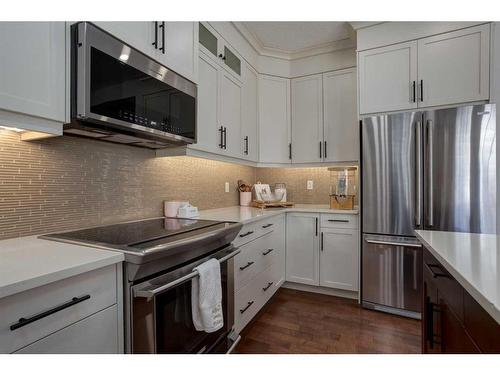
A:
{"points": [[29, 262], [473, 260], [247, 215]]}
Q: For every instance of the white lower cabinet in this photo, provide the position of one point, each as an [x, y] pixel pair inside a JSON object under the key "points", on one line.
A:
{"points": [[339, 258], [53, 316], [322, 250], [259, 268], [302, 245]]}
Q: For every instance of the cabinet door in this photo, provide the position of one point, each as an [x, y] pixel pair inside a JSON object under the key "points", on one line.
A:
{"points": [[454, 67], [138, 34], [307, 119], [387, 77], [181, 48], [302, 246], [274, 119], [32, 68], [249, 114], [339, 259], [341, 128], [230, 113], [208, 136]]}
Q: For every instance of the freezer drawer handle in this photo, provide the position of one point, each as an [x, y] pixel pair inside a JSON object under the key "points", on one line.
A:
{"points": [[338, 220], [376, 242], [246, 266], [247, 307], [435, 275], [25, 321], [267, 226]]}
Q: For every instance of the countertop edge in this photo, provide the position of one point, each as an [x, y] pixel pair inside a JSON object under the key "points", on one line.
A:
{"points": [[35, 282], [476, 294]]}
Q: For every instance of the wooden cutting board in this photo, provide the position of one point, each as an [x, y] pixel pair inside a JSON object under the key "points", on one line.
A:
{"points": [[263, 204]]}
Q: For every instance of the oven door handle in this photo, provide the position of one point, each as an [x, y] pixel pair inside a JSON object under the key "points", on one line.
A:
{"points": [[150, 293]]}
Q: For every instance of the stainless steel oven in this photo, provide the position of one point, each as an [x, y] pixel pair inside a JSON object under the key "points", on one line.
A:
{"points": [[161, 311], [121, 95]]}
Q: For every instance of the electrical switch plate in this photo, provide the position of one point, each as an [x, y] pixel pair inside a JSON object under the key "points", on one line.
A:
{"points": [[226, 187], [309, 185]]}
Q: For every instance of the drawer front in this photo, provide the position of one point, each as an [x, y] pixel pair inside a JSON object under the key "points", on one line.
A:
{"points": [[270, 280], [251, 231], [247, 303], [56, 301], [481, 326], [249, 261], [448, 288], [96, 334], [340, 221]]}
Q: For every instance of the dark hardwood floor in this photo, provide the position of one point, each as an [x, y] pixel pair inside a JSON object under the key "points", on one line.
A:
{"points": [[302, 322]]}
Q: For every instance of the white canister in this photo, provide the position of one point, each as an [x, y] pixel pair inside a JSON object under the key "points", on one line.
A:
{"points": [[170, 208], [245, 198]]}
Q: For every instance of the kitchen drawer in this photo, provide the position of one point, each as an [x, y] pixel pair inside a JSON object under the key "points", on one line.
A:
{"points": [[249, 261], [341, 221], [247, 302], [270, 280], [449, 288], [95, 290], [96, 334], [481, 326], [251, 231]]}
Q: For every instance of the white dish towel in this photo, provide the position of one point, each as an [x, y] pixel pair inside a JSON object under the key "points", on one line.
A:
{"points": [[206, 297]]}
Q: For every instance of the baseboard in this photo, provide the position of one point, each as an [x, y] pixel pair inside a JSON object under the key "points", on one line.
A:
{"points": [[321, 290]]}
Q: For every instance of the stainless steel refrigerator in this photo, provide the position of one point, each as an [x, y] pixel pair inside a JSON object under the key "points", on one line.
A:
{"points": [[432, 170]]}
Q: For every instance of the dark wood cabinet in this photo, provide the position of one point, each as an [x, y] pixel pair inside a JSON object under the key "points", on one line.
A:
{"points": [[452, 321]]}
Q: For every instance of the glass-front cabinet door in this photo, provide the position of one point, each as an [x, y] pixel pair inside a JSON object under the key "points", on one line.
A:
{"points": [[208, 39], [232, 61]]}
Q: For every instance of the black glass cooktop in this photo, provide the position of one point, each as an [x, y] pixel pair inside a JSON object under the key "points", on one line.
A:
{"points": [[140, 234]]}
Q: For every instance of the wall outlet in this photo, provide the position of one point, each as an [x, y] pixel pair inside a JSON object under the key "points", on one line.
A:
{"points": [[310, 184], [226, 187]]}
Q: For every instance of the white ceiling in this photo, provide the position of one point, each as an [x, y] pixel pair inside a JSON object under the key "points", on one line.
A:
{"points": [[293, 37]]}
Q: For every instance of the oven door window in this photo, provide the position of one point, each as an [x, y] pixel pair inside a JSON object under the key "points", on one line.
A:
{"points": [[122, 92], [171, 329]]}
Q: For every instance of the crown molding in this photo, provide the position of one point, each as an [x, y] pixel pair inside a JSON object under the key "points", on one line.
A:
{"points": [[356, 25], [277, 53]]}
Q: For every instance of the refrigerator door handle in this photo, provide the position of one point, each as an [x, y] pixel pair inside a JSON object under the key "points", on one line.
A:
{"points": [[430, 182], [394, 243], [418, 170]]}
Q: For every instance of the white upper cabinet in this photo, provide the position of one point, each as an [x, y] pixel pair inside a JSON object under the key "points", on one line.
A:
{"points": [[274, 119], [32, 73], [209, 135], [454, 67], [230, 113], [339, 259], [173, 44], [445, 69], [302, 248], [341, 128], [388, 78], [249, 108], [181, 48], [307, 119]]}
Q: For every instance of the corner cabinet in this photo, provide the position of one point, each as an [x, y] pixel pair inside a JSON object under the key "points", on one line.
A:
{"points": [[274, 120], [250, 113], [302, 245], [33, 75], [445, 69], [307, 119]]}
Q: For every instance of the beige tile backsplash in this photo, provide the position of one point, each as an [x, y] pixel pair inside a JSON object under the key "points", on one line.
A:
{"points": [[66, 182]]}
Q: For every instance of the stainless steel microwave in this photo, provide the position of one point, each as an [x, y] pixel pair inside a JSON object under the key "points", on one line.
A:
{"points": [[121, 95]]}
